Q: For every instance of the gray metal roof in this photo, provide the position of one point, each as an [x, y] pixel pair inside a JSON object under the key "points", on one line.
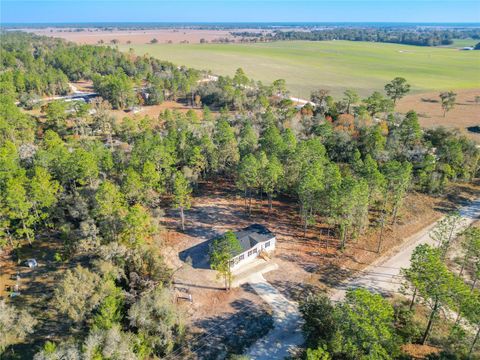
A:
{"points": [[252, 235]]}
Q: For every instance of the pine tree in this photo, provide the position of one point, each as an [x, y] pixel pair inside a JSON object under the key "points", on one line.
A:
{"points": [[248, 178], [222, 250], [182, 194]]}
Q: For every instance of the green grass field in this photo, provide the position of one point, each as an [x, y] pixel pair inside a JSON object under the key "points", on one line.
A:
{"points": [[459, 43], [334, 65]]}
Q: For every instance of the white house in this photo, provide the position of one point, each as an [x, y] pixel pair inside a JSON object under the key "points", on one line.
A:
{"points": [[253, 239]]}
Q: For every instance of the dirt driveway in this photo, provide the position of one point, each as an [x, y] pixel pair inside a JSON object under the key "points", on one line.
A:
{"points": [[384, 275]]}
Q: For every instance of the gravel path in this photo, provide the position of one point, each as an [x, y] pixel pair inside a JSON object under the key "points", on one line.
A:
{"points": [[286, 333]]}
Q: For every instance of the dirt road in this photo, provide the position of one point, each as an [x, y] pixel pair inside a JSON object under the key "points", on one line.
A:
{"points": [[384, 275], [287, 321]]}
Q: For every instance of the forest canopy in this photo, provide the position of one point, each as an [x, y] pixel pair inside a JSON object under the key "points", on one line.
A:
{"points": [[99, 186]]}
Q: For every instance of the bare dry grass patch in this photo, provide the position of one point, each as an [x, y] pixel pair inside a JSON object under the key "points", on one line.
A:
{"points": [[465, 116]]}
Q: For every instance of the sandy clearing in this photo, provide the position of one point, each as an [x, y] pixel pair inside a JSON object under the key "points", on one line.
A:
{"points": [[153, 111]]}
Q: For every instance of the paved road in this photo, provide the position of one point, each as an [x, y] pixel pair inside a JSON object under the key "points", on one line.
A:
{"points": [[384, 276], [286, 333]]}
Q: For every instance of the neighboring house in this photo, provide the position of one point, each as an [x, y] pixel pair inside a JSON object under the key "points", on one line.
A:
{"points": [[253, 239]]}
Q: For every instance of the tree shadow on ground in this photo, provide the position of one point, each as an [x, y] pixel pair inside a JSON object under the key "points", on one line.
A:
{"points": [[460, 195], [474, 129], [210, 215], [430, 100], [307, 266], [232, 333], [294, 290], [332, 275]]}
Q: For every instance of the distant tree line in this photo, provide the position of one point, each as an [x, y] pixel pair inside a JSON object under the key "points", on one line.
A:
{"points": [[407, 36]]}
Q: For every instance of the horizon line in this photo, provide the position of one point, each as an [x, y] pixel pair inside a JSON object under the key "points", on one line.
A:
{"points": [[236, 22]]}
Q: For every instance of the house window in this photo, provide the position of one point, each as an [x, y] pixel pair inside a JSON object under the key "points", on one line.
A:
{"points": [[254, 251], [249, 253], [267, 244], [241, 257]]}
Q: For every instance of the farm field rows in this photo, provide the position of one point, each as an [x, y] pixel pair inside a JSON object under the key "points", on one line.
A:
{"points": [[333, 65]]}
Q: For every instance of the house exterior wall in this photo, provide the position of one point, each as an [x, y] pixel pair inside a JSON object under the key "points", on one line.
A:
{"points": [[244, 258]]}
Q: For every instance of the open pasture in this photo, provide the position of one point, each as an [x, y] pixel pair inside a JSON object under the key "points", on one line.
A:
{"points": [[333, 65]]}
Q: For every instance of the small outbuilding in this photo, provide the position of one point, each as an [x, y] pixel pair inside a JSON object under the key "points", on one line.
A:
{"points": [[31, 263], [254, 240]]}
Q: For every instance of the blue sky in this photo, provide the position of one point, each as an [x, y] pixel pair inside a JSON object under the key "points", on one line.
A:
{"points": [[45, 11]]}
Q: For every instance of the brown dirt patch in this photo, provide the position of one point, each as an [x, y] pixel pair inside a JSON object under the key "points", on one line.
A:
{"points": [[83, 85], [154, 110], [417, 351], [94, 35], [465, 114]]}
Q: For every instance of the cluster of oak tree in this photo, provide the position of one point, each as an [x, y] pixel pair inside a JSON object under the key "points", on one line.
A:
{"points": [[98, 185], [443, 306]]}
